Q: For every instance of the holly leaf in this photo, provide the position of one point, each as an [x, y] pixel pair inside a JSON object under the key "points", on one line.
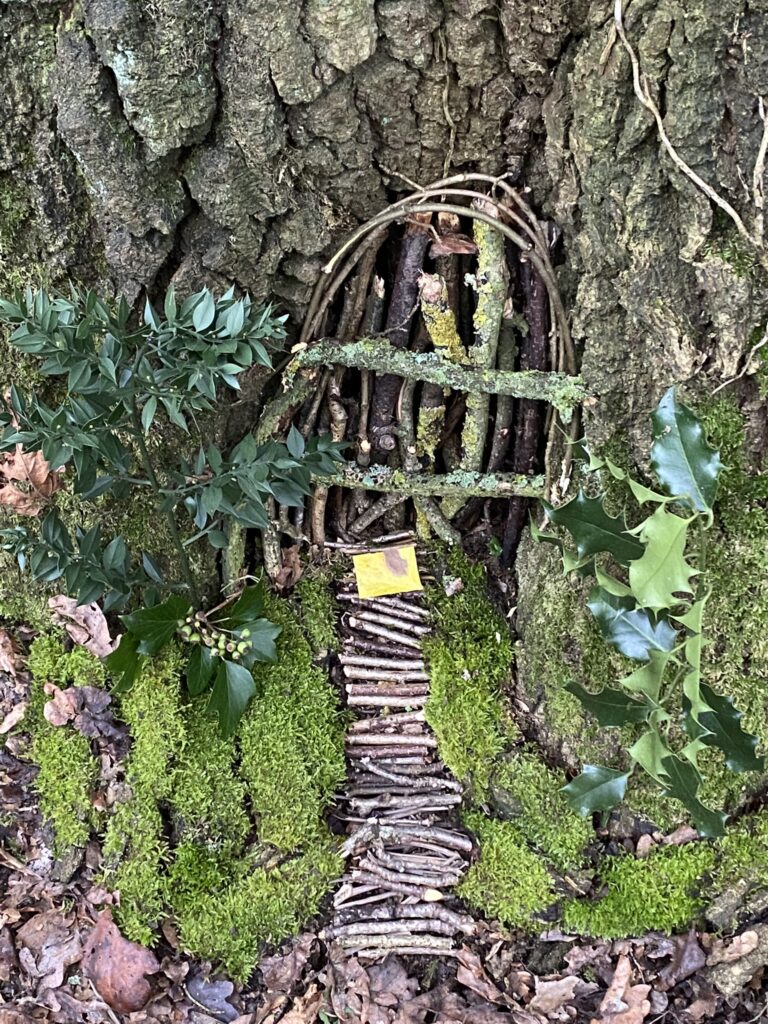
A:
{"points": [[200, 669], [593, 530], [596, 789], [722, 729], [154, 627], [631, 631], [124, 663], [232, 692], [682, 783], [649, 751], [662, 570], [647, 678], [611, 708], [685, 465]]}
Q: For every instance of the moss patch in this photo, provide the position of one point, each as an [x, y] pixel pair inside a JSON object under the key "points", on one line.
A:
{"points": [[470, 658], [509, 881], [659, 893], [526, 791], [67, 768], [259, 906], [318, 609], [292, 740]]}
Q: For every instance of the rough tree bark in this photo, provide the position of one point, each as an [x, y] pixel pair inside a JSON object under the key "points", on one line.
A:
{"points": [[149, 141]]}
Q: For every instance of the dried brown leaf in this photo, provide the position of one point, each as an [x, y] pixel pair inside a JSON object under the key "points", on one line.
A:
{"points": [[725, 952], [624, 1003], [213, 993], [472, 974], [49, 943], [452, 245], [63, 705], [9, 655], [291, 570], [551, 996], [28, 482], [13, 717], [281, 973], [117, 967], [85, 624], [304, 1009], [688, 958]]}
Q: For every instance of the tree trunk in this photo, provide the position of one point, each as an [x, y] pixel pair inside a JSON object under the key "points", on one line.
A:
{"points": [[149, 141]]}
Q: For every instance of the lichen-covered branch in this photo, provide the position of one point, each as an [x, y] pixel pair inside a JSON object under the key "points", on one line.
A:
{"points": [[457, 484], [559, 389], [439, 318]]}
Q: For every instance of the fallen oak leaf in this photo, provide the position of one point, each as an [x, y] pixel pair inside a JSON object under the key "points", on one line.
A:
{"points": [[117, 967], [551, 996], [49, 943], [85, 623], [8, 654], [726, 952], [624, 1003]]}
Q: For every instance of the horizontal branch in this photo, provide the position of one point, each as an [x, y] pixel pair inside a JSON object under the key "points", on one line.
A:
{"points": [[559, 389], [458, 483]]}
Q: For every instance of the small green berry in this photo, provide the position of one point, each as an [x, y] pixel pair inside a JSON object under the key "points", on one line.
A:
{"points": [[242, 647], [245, 633]]}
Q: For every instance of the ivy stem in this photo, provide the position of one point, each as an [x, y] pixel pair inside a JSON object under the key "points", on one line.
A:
{"points": [[149, 469]]}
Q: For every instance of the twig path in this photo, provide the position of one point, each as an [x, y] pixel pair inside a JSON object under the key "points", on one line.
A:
{"points": [[406, 849]]}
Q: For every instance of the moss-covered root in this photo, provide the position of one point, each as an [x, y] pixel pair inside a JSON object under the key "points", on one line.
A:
{"points": [[68, 770], [256, 907], [659, 893], [509, 881], [491, 281], [470, 655], [439, 318], [527, 792]]}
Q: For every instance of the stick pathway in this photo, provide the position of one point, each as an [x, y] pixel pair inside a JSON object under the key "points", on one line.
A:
{"points": [[406, 849]]}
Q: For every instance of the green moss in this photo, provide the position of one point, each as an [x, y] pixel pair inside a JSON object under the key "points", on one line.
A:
{"points": [[735, 662], [209, 798], [318, 609], [527, 792], [659, 893], [509, 881], [135, 847], [470, 658], [260, 905], [291, 740], [68, 770]]}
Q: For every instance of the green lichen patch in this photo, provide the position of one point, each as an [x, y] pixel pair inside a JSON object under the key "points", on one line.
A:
{"points": [[258, 906], [509, 881], [470, 658], [659, 893], [526, 792], [291, 740]]}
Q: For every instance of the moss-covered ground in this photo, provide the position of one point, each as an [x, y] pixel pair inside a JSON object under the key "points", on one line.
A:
{"points": [[223, 836]]}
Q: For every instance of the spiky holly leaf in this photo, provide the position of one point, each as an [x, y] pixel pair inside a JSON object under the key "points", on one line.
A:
{"points": [[593, 530], [647, 678], [682, 783], [722, 728], [661, 571], [596, 789], [632, 631], [610, 707], [687, 467], [649, 751]]}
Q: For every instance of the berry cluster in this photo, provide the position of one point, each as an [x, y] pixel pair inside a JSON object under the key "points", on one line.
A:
{"points": [[222, 644]]}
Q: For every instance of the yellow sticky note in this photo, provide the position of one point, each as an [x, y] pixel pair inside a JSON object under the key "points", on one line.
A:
{"points": [[389, 571]]}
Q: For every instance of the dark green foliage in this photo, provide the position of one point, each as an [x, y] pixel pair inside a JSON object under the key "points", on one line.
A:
{"points": [[685, 465], [223, 646], [117, 378], [655, 615]]}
